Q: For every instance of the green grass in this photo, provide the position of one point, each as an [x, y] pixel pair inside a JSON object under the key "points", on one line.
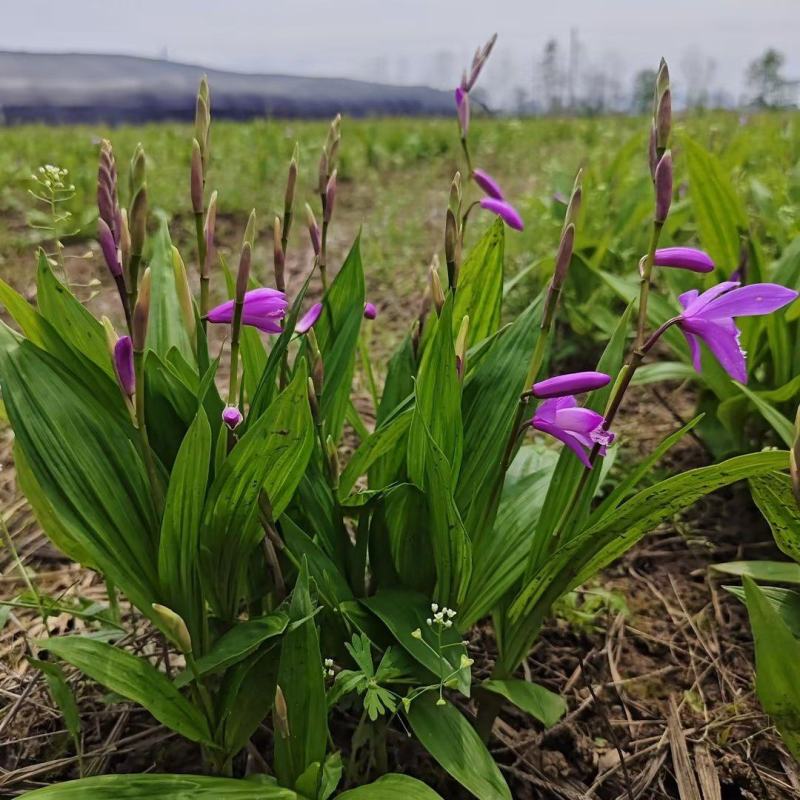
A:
{"points": [[394, 180]]}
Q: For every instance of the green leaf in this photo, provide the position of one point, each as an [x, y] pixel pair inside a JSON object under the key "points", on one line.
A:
{"points": [[62, 696], [85, 474], [785, 601], [774, 497], [300, 678], [438, 400], [399, 383], [546, 706], [452, 549], [236, 644], [665, 371], [777, 657], [165, 327], [337, 332], [161, 787], [381, 442], [480, 285], [68, 316], [447, 735], [762, 571], [782, 426], [489, 401], [391, 787], [178, 550], [403, 612], [272, 455], [135, 679], [717, 209], [579, 559]]}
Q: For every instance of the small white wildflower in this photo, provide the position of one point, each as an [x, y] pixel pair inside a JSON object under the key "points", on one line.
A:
{"points": [[434, 607], [449, 623], [429, 621], [451, 613]]}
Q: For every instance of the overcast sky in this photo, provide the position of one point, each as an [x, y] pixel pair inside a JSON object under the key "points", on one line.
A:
{"points": [[413, 41]]}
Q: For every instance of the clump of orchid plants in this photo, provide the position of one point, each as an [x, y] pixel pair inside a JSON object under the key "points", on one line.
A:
{"points": [[228, 518]]}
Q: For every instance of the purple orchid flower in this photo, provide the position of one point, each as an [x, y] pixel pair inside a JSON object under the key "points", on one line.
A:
{"points": [[370, 312], [684, 258], [309, 319], [232, 417], [579, 428], [488, 184], [462, 108], [263, 309], [123, 365], [571, 383], [504, 210], [709, 317]]}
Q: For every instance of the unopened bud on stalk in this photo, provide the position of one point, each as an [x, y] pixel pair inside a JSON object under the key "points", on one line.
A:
{"points": [[291, 179], [243, 275], [141, 312], [208, 230], [330, 196], [124, 237], [663, 187], [138, 172], [279, 258], [138, 221], [461, 347], [202, 118], [184, 294], [123, 365], [196, 182], [437, 295], [322, 176], [313, 229], [281, 713], [662, 79], [663, 120], [563, 257], [317, 365], [652, 154], [174, 627], [451, 247], [333, 459], [575, 200], [109, 248], [312, 400], [454, 200], [794, 459], [111, 334], [232, 417]]}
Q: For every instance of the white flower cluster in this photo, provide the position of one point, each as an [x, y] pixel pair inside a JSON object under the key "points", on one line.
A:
{"points": [[53, 177], [327, 669], [443, 618]]}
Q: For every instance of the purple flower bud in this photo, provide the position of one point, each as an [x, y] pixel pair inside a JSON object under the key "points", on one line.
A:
{"points": [[684, 258], [232, 417], [308, 320], [109, 248], [663, 187], [123, 365], [652, 155], [571, 383], [488, 184], [462, 108], [330, 196], [505, 211], [664, 119], [313, 230], [564, 256], [196, 178], [370, 312]]}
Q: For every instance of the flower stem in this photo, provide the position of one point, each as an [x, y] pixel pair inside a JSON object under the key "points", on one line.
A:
{"points": [[236, 326], [644, 283], [323, 256], [465, 148], [201, 263], [147, 453]]}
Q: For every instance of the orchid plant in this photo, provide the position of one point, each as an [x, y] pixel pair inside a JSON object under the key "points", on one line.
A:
{"points": [[285, 580]]}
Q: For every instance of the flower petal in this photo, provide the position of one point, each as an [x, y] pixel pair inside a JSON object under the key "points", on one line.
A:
{"points": [[307, 321], [694, 349], [578, 420], [564, 436], [748, 301], [487, 183], [684, 258], [722, 339], [687, 298], [704, 299], [504, 210], [571, 383]]}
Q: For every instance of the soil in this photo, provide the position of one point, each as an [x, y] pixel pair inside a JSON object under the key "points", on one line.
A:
{"points": [[668, 670]]}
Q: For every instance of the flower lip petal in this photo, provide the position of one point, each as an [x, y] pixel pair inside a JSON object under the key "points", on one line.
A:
{"points": [[684, 258], [747, 301], [308, 320], [504, 210], [563, 436], [570, 383], [721, 336], [488, 184]]}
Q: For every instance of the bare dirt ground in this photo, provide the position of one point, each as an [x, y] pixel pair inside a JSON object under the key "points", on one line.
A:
{"points": [[660, 693]]}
